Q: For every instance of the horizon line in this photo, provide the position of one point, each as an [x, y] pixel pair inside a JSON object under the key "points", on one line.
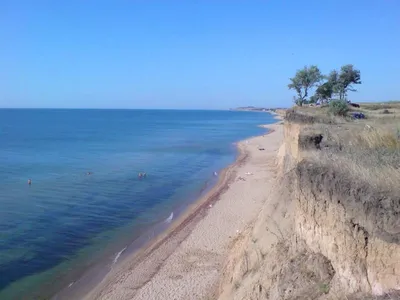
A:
{"points": [[94, 108]]}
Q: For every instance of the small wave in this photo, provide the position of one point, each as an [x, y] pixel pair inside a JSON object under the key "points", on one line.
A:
{"points": [[118, 255], [169, 219]]}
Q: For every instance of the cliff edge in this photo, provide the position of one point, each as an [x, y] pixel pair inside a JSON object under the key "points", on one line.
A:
{"points": [[331, 228]]}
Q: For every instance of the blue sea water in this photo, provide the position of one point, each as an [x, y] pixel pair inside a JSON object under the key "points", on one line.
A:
{"points": [[66, 219]]}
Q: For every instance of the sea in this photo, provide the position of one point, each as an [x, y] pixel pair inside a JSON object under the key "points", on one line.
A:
{"points": [[86, 204]]}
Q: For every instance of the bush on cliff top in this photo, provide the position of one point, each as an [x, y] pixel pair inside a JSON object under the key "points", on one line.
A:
{"points": [[338, 107]]}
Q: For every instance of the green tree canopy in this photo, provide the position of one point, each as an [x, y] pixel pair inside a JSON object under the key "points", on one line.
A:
{"points": [[303, 81], [345, 79], [324, 92], [333, 79]]}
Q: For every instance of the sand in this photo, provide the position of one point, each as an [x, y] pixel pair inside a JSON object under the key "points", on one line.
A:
{"points": [[187, 261]]}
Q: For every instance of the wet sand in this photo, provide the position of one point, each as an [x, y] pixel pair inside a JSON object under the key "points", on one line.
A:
{"points": [[186, 261]]}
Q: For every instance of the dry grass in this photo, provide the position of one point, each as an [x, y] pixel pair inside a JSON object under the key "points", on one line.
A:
{"points": [[364, 152], [381, 106], [366, 149], [377, 139], [312, 115], [378, 112]]}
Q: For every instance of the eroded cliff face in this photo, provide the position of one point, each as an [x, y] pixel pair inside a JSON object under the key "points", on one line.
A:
{"points": [[320, 235], [356, 227]]}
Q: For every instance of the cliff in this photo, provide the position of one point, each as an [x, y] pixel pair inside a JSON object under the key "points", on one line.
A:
{"points": [[331, 228]]}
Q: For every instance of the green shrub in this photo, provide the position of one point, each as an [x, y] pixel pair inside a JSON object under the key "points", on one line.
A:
{"points": [[338, 107], [324, 287]]}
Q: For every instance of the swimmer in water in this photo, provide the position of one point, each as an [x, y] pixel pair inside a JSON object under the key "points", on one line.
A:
{"points": [[140, 175], [144, 174], [29, 181]]}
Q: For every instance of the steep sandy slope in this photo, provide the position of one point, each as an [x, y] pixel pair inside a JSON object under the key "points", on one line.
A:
{"points": [[320, 235]]}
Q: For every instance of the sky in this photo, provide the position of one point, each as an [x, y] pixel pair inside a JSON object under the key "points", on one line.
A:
{"points": [[209, 54]]}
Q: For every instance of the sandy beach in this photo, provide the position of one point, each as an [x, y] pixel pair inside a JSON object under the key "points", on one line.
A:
{"points": [[186, 262]]}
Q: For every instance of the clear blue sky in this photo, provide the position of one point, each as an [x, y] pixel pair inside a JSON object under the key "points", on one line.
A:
{"points": [[190, 54]]}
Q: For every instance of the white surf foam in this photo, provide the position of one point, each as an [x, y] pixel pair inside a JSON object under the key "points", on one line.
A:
{"points": [[118, 255], [169, 219]]}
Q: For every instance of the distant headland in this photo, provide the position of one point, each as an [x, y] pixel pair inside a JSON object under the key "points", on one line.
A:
{"points": [[253, 108]]}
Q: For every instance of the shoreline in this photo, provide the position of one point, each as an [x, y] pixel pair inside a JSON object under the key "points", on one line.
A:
{"points": [[186, 216], [106, 241], [148, 260]]}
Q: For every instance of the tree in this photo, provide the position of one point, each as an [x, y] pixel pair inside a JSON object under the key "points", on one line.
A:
{"points": [[303, 81], [324, 92], [333, 79], [313, 99], [345, 79]]}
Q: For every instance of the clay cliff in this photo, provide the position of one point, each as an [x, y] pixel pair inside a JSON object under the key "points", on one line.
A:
{"points": [[331, 227]]}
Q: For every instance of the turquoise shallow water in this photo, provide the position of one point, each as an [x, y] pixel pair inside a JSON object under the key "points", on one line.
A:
{"points": [[66, 219]]}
